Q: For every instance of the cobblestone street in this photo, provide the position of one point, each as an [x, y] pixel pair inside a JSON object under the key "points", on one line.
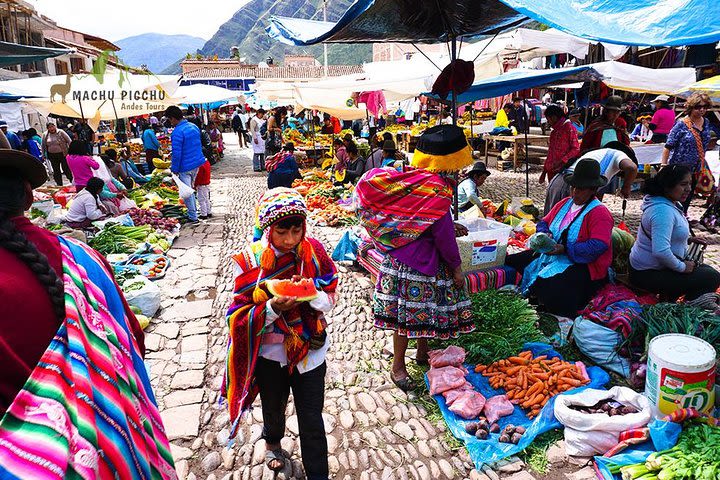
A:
{"points": [[374, 430]]}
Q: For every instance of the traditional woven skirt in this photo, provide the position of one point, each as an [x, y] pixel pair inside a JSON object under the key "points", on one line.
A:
{"points": [[420, 306]]}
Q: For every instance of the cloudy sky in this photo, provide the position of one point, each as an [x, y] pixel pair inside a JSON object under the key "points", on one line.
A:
{"points": [[117, 20]]}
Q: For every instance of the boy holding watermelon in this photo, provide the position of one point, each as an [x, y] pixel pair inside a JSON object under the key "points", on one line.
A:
{"points": [[278, 340]]}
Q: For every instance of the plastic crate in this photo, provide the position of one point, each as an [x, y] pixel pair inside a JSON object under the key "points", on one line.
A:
{"points": [[485, 246]]}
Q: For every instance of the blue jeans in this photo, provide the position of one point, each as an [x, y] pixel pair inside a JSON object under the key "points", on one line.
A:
{"points": [[188, 178]]}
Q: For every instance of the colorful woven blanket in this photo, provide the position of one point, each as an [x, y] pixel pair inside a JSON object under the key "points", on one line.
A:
{"points": [[397, 207], [87, 411]]}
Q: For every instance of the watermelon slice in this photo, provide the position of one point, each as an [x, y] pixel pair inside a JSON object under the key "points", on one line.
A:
{"points": [[304, 289]]}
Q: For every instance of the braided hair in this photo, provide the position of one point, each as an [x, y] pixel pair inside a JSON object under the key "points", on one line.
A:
{"points": [[12, 201]]}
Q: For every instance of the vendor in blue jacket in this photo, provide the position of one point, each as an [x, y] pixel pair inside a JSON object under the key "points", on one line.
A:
{"points": [[187, 155], [658, 259]]}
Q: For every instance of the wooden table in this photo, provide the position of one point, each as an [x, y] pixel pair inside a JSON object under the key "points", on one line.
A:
{"points": [[532, 139]]}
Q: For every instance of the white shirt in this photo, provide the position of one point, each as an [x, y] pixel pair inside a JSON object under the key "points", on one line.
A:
{"points": [[609, 168], [84, 206], [276, 351]]}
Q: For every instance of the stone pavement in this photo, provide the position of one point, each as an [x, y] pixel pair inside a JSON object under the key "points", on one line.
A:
{"points": [[374, 430]]}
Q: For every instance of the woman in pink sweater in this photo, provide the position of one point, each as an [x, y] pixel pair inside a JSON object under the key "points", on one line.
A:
{"points": [[81, 165], [566, 277], [663, 119]]}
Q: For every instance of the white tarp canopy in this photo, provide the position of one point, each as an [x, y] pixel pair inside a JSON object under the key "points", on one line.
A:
{"points": [[116, 95], [632, 78], [333, 102], [280, 92], [201, 94]]}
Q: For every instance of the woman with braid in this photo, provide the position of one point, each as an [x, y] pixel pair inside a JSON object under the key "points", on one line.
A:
{"points": [[75, 397]]}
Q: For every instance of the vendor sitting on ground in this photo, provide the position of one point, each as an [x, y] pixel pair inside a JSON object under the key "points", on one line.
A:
{"points": [[574, 117], [468, 188], [86, 206], [356, 164], [131, 169], [567, 276], [389, 158], [658, 258], [283, 168], [614, 159], [116, 169]]}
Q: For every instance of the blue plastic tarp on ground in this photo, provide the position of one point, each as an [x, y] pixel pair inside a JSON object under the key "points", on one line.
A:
{"points": [[491, 450], [624, 22], [663, 436], [516, 80]]}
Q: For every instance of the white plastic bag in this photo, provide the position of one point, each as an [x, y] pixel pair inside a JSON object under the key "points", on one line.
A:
{"points": [[184, 190], [588, 434], [147, 298]]}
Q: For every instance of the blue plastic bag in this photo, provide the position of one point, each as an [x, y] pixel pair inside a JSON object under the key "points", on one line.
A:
{"points": [[491, 450], [347, 247], [600, 345], [663, 436]]}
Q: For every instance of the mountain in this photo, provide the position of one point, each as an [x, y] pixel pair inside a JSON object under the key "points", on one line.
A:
{"points": [[246, 30], [157, 51]]}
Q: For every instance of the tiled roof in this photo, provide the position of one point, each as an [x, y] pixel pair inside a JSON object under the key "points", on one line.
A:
{"points": [[278, 73]]}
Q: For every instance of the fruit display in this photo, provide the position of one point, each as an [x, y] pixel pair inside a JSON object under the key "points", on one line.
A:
{"points": [[303, 289]]}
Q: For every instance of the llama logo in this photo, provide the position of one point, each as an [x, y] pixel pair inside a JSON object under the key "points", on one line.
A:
{"points": [[61, 89]]}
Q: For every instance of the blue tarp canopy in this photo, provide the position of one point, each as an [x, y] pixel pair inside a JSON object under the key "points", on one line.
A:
{"points": [[15, 54], [516, 80], [625, 22], [629, 22], [427, 21]]}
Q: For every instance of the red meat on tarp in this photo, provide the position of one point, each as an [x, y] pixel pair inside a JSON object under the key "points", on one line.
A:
{"points": [[498, 406], [445, 378], [468, 405], [452, 395], [452, 355]]}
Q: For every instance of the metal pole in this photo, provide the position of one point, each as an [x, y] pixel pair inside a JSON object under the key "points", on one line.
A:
{"points": [[527, 162], [325, 53], [453, 57]]}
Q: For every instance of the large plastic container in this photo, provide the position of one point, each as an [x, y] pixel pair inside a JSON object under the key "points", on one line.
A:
{"points": [[680, 373], [485, 246]]}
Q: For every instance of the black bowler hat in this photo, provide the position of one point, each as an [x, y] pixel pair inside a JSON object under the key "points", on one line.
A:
{"points": [[443, 148], [586, 175], [29, 167]]}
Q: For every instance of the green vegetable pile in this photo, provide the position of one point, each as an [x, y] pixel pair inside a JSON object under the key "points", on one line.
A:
{"points": [[504, 322], [116, 238], [36, 213], [678, 318], [696, 456]]}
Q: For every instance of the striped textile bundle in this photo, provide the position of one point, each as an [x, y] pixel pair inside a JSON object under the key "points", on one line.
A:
{"points": [[87, 411], [397, 207]]}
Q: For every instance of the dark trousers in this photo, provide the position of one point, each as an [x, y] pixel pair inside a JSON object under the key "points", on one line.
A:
{"points": [[59, 167], [704, 279], [308, 390], [149, 156], [564, 294]]}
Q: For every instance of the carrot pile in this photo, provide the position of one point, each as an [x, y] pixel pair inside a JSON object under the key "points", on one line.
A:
{"points": [[531, 382]]}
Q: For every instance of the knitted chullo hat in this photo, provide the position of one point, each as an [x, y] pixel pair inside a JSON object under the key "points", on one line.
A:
{"points": [[443, 148], [274, 206], [277, 204]]}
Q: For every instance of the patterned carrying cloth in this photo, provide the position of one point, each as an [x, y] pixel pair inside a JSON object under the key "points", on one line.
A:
{"points": [[397, 207], [246, 319], [420, 306], [87, 411]]}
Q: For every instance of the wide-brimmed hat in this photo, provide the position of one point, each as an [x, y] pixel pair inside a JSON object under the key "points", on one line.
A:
{"points": [[389, 145], [443, 148], [615, 145], [660, 98], [29, 167], [479, 167], [586, 175], [575, 112], [290, 147], [3, 123], [614, 102]]}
